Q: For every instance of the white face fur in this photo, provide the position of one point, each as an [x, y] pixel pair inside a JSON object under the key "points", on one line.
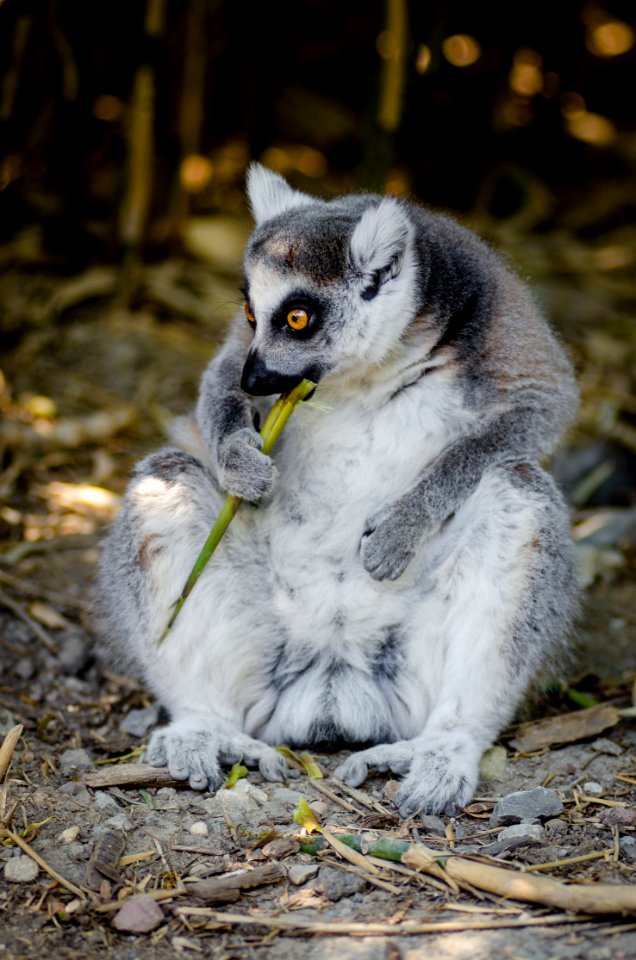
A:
{"points": [[348, 265]]}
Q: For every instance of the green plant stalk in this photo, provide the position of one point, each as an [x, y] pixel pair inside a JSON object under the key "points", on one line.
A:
{"points": [[383, 847], [272, 428]]}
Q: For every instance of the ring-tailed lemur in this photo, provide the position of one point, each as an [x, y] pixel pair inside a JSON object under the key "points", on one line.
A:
{"points": [[404, 568]]}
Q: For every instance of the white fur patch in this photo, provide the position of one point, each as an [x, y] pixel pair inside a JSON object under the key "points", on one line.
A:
{"points": [[380, 236], [270, 195]]}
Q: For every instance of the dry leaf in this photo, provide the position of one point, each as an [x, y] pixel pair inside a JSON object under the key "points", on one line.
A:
{"points": [[566, 728]]}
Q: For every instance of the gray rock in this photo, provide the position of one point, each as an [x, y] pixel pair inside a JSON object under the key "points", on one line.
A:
{"points": [[74, 760], [532, 832], [593, 788], [539, 803], [7, 720], [105, 801], [138, 722], [628, 848], [604, 745], [335, 884], [556, 826], [432, 824], [300, 873], [73, 653], [21, 870], [118, 822], [25, 668]]}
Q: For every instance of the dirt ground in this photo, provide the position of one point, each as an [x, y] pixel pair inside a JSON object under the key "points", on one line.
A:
{"points": [[87, 389]]}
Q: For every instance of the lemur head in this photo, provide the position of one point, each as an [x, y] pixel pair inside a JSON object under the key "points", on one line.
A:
{"points": [[328, 285]]}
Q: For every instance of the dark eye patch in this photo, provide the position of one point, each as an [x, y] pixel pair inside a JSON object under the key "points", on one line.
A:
{"points": [[299, 300]]}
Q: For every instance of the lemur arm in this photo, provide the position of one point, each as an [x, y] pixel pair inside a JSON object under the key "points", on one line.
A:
{"points": [[516, 435], [228, 420]]}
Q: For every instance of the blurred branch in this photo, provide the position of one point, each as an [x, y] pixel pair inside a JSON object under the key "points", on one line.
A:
{"points": [[140, 142], [10, 82], [393, 67]]}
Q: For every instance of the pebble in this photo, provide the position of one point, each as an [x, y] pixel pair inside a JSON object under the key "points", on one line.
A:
{"points": [[493, 763], [628, 848], [78, 759], [138, 722], [280, 847], [556, 825], [593, 788], [105, 801], [533, 832], [320, 807], [335, 884], [69, 835], [243, 796], [287, 796], [432, 824], [73, 653], [119, 822], [21, 870], [138, 914], [300, 873], [540, 802], [199, 828], [619, 817], [166, 799], [604, 745]]}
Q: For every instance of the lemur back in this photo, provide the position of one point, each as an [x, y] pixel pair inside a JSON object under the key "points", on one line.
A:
{"points": [[402, 567]]}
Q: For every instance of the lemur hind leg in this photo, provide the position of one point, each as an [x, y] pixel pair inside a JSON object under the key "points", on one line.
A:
{"points": [[206, 670], [501, 609]]}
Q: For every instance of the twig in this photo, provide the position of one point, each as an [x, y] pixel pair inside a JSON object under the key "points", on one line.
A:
{"points": [[130, 774], [596, 855], [271, 431], [369, 802], [340, 801], [38, 631], [8, 746], [361, 929], [599, 898], [30, 852]]}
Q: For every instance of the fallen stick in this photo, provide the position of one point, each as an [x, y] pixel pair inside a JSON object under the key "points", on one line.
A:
{"points": [[597, 898], [361, 929], [129, 775], [30, 852], [603, 898], [228, 888], [8, 746]]}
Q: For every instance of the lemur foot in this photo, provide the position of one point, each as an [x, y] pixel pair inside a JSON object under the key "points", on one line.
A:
{"points": [[195, 750], [436, 780]]}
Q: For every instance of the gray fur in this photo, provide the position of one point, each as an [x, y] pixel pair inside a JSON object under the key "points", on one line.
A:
{"points": [[402, 569]]}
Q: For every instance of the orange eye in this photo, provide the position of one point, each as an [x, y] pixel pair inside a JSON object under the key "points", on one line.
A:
{"points": [[297, 319], [248, 313]]}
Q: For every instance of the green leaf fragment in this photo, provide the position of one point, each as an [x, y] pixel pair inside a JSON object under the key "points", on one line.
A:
{"points": [[310, 766], [237, 773], [306, 818]]}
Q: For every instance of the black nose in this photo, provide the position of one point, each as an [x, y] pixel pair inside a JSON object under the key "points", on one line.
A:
{"points": [[260, 380]]}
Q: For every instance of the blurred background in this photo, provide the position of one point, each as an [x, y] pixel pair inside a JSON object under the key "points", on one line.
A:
{"points": [[125, 131]]}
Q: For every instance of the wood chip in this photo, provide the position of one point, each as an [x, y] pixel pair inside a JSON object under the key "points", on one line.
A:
{"points": [[228, 888], [104, 859], [566, 728], [130, 774]]}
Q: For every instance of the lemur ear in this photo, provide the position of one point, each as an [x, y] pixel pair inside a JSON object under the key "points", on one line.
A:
{"points": [[380, 237], [269, 194]]}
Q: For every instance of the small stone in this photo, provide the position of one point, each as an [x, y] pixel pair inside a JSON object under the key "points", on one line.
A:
{"points": [[73, 654], [619, 817], [320, 807], [300, 873], [138, 722], [243, 796], [533, 832], [492, 765], [335, 884], [531, 804], [73, 760], [556, 826], [280, 847], [7, 720], [119, 822], [287, 796], [105, 801], [21, 870], [25, 668], [138, 914], [199, 828], [628, 848], [166, 799], [592, 788], [391, 788], [69, 835], [605, 745], [432, 824]]}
